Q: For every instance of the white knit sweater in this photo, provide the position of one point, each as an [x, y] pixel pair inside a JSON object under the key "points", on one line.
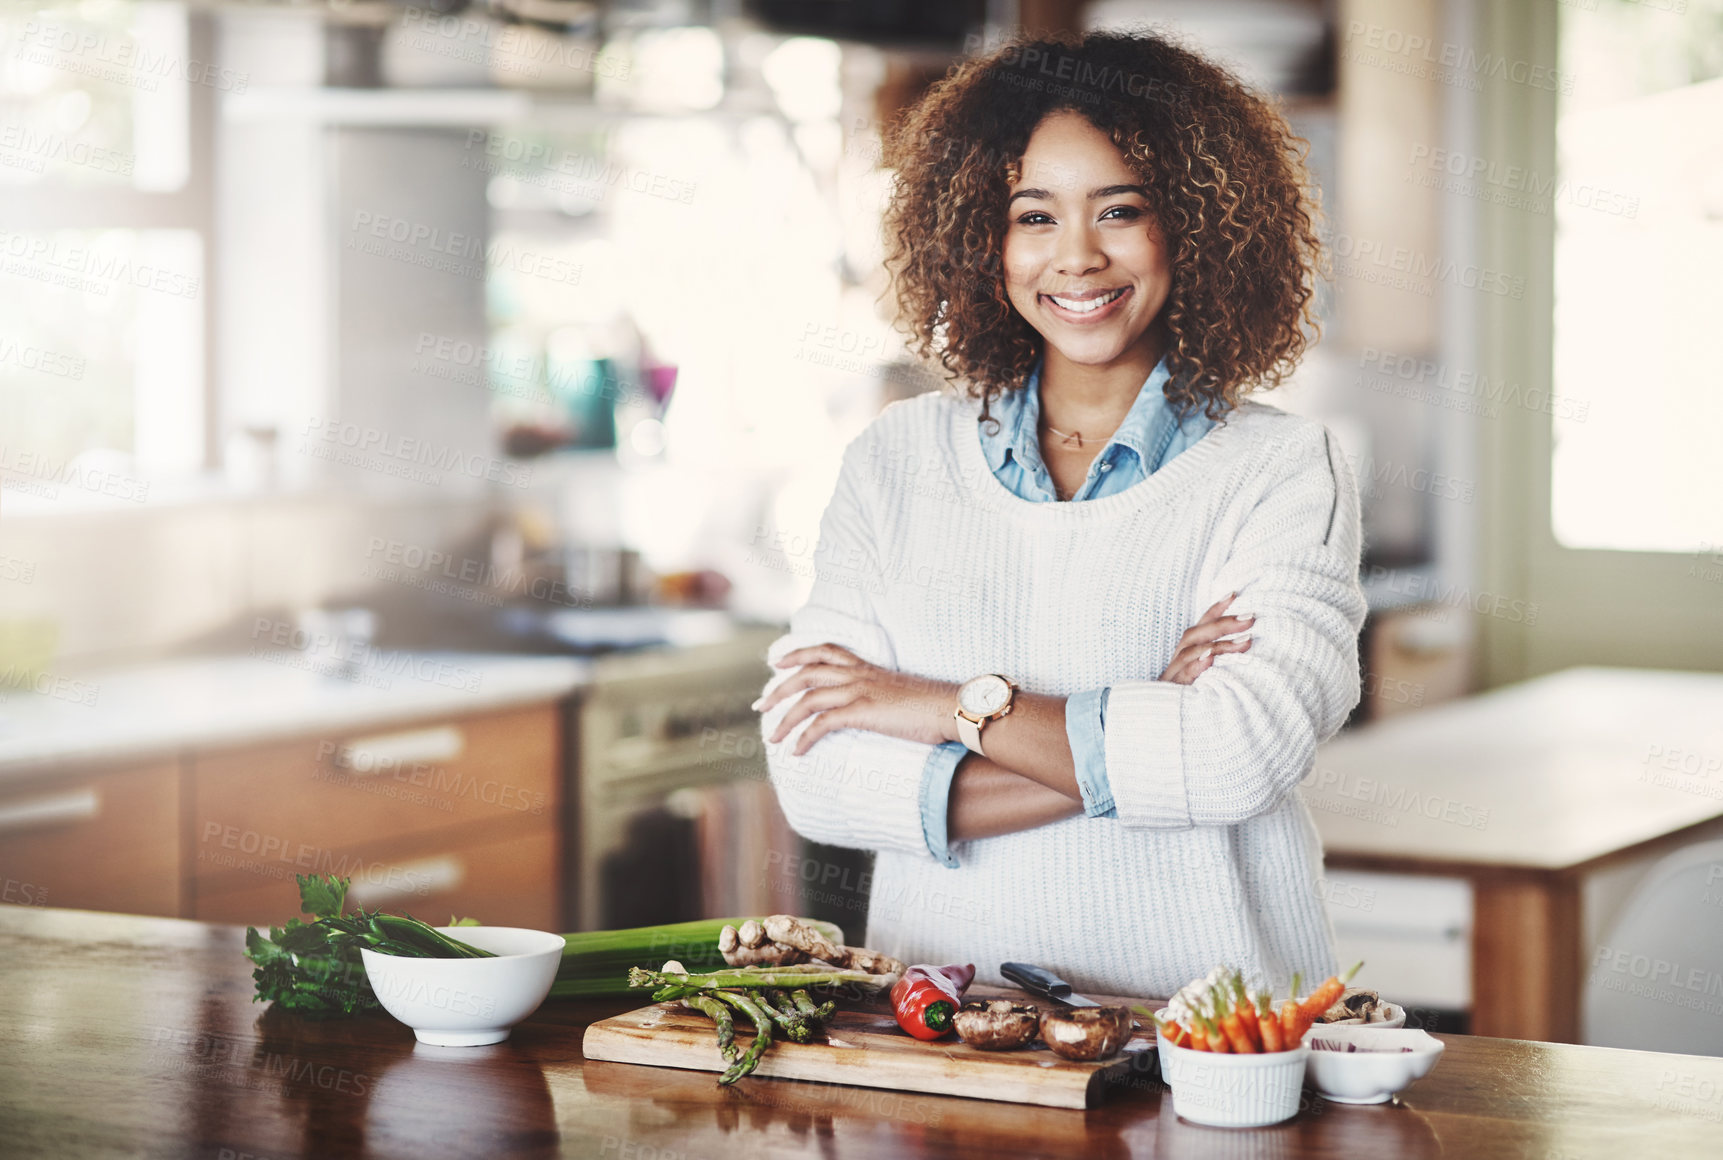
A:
{"points": [[927, 564]]}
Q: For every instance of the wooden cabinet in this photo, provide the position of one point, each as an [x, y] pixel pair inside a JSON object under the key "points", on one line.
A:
{"points": [[461, 815], [507, 881], [440, 816], [104, 840]]}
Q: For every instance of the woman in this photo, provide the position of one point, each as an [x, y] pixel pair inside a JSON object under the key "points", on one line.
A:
{"points": [[992, 683]]}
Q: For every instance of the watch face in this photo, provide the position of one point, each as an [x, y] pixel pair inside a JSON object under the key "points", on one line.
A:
{"points": [[984, 695]]}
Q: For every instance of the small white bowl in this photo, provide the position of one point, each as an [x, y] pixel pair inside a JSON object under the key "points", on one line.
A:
{"points": [[1396, 1018], [1368, 1076], [1233, 1091], [468, 1002]]}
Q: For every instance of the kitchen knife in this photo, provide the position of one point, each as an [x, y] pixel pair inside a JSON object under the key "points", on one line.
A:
{"points": [[1038, 981]]}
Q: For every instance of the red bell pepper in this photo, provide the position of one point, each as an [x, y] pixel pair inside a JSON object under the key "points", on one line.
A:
{"points": [[926, 998]]}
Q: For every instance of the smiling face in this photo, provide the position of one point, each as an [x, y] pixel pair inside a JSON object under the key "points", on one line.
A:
{"points": [[1085, 262]]}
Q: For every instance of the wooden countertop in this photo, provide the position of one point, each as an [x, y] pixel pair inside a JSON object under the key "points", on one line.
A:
{"points": [[1549, 774], [137, 1037]]}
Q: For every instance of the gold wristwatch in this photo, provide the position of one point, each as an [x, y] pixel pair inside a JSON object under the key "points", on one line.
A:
{"points": [[980, 700]]}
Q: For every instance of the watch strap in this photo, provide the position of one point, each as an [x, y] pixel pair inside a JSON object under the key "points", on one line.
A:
{"points": [[969, 732]]}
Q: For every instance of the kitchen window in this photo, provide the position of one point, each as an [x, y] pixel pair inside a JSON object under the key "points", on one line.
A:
{"points": [[1598, 456], [1638, 205], [102, 252]]}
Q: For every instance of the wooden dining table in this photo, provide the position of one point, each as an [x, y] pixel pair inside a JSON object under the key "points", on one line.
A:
{"points": [[1526, 793], [125, 1036]]}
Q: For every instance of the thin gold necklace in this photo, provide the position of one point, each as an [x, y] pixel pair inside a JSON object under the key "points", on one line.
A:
{"points": [[1074, 439], [1077, 435]]}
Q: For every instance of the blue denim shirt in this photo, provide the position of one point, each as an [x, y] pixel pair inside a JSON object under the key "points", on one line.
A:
{"points": [[1148, 439]]}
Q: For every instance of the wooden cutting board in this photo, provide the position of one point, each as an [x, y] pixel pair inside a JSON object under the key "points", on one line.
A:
{"points": [[864, 1047]]}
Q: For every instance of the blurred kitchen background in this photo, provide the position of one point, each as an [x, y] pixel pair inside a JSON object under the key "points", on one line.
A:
{"points": [[415, 423]]}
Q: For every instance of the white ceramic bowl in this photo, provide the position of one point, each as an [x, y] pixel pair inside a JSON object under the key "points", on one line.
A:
{"points": [[467, 1002], [1368, 1077], [1233, 1091]]}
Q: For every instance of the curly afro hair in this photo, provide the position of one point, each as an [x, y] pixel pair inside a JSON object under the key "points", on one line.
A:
{"points": [[1226, 182]]}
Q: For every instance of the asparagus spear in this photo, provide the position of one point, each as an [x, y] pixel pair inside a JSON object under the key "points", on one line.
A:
{"points": [[762, 1035], [753, 978], [708, 1006], [785, 1015], [720, 1015]]}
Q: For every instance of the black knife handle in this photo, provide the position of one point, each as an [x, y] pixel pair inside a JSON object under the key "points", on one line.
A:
{"points": [[1036, 980]]}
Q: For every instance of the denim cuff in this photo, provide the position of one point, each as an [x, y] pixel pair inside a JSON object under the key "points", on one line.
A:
{"points": [[936, 778], [1085, 728]]}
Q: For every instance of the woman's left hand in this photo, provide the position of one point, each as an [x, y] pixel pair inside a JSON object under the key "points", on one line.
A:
{"points": [[849, 693]]}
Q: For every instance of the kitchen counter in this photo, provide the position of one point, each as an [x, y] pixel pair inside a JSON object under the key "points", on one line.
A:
{"points": [[137, 1037], [161, 709]]}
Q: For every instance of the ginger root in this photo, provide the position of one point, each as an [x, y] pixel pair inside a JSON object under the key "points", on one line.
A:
{"points": [[792, 931], [768, 954], [783, 940], [738, 951], [873, 962]]}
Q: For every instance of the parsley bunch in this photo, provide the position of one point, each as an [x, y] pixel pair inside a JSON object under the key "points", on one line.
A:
{"points": [[314, 969]]}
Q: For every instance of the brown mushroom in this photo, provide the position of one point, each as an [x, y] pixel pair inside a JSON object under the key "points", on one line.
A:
{"points": [[996, 1024], [1086, 1033], [1355, 1005]]}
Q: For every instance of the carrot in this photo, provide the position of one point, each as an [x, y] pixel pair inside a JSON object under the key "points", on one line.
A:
{"points": [[1219, 1009], [1216, 1041], [1325, 996], [1174, 1033], [1289, 1032], [1247, 1014], [1199, 1039], [1268, 1025], [1232, 1027]]}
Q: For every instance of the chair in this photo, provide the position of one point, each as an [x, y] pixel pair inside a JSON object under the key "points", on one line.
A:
{"points": [[1655, 981]]}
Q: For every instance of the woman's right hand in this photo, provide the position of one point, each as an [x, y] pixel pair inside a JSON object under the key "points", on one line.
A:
{"points": [[1201, 643]]}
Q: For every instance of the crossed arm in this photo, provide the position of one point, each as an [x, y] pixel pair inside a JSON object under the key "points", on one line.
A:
{"points": [[1028, 778]]}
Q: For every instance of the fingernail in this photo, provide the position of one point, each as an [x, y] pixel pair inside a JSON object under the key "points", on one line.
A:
{"points": [[757, 703]]}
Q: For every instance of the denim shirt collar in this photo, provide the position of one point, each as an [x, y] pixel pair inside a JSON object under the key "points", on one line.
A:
{"points": [[1147, 429]]}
